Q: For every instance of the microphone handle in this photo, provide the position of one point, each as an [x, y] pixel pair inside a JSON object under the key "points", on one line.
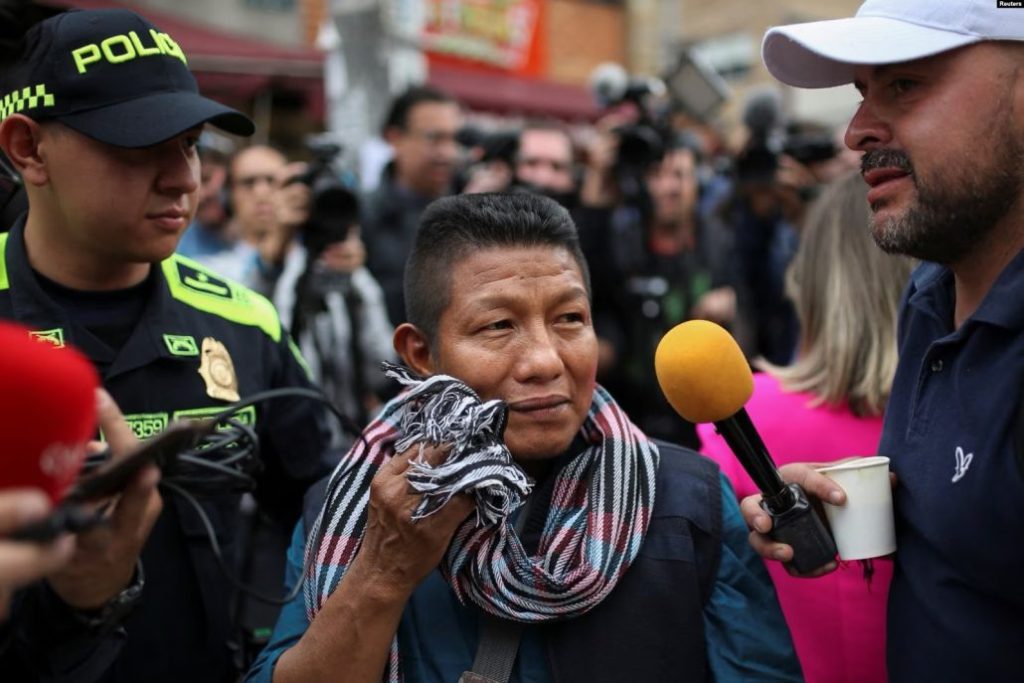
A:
{"points": [[739, 432], [800, 527], [794, 521]]}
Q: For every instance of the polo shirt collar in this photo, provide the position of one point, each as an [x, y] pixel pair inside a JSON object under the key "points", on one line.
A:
{"points": [[1003, 306], [933, 292], [1004, 303]]}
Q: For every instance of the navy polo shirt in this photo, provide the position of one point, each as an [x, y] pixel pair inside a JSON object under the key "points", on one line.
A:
{"points": [[956, 607]]}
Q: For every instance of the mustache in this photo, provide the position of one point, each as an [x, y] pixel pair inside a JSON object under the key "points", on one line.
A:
{"points": [[886, 158]]}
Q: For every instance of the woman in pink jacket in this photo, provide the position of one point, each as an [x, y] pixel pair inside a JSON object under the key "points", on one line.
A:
{"points": [[826, 406]]}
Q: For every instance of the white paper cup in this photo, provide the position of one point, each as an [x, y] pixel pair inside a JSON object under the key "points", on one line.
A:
{"points": [[863, 526]]}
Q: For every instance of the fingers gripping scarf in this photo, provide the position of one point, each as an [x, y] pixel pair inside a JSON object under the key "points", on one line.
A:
{"points": [[600, 507]]}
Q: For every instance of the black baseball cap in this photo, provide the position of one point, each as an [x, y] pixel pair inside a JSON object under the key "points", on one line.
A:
{"points": [[112, 76]]}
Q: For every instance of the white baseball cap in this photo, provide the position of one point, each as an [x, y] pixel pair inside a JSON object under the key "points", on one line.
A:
{"points": [[822, 54]]}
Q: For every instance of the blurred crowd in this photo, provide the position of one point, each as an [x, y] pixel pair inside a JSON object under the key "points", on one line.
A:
{"points": [[675, 225]]}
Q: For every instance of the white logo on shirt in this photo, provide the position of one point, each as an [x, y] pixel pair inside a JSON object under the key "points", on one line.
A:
{"points": [[962, 463]]}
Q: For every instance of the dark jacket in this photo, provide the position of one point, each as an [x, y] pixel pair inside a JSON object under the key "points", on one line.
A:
{"points": [[390, 217]]}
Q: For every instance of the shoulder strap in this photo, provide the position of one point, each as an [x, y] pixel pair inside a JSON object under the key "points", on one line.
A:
{"points": [[499, 638]]}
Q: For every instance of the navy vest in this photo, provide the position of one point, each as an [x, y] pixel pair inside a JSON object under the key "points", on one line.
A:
{"points": [[651, 627]]}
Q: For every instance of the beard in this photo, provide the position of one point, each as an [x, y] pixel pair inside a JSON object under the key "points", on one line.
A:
{"points": [[957, 207]]}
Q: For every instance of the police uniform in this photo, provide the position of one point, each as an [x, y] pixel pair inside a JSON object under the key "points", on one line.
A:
{"points": [[198, 335]]}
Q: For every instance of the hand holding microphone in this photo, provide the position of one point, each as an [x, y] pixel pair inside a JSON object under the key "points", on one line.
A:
{"points": [[23, 563], [105, 556], [49, 411], [705, 378], [47, 415]]}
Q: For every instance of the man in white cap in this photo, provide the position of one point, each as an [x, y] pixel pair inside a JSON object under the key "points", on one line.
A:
{"points": [[942, 142]]}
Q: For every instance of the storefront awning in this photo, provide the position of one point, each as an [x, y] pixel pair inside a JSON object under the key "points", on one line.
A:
{"points": [[231, 67], [508, 94]]}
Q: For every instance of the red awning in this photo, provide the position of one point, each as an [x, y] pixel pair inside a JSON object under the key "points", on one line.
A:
{"points": [[229, 67], [507, 94], [210, 49]]}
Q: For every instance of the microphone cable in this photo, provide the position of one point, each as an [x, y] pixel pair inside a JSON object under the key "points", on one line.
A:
{"points": [[227, 461]]}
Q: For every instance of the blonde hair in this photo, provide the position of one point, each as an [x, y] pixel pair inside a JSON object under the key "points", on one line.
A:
{"points": [[846, 292]]}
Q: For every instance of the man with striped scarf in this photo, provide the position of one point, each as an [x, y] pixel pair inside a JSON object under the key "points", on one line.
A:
{"points": [[628, 561]]}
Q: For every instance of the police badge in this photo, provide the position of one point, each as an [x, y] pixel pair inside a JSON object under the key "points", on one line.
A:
{"points": [[218, 371]]}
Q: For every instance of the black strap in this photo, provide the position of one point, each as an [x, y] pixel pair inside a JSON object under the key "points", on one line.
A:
{"points": [[496, 651], [499, 638]]}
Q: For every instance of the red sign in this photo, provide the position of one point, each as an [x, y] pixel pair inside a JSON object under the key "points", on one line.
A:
{"points": [[502, 34]]}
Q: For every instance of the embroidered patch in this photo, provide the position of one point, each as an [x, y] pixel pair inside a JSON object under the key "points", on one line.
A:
{"points": [[962, 463], [181, 345], [54, 336]]}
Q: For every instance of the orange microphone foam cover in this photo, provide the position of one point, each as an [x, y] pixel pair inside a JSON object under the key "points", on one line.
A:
{"points": [[702, 371]]}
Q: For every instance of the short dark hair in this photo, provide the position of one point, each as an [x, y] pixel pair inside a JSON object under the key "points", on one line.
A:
{"points": [[401, 106], [454, 227], [686, 140]]}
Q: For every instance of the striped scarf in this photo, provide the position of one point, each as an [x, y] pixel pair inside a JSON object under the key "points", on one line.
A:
{"points": [[600, 508]]}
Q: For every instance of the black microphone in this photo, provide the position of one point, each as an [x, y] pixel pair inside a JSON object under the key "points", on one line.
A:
{"points": [[705, 378]]}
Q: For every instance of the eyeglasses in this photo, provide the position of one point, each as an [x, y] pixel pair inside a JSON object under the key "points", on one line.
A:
{"points": [[251, 181]]}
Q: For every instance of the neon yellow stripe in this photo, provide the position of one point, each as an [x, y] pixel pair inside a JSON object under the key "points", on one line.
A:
{"points": [[299, 359], [239, 304], [4, 284]]}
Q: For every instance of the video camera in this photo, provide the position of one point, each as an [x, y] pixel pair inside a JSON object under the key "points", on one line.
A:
{"points": [[333, 207], [498, 145], [642, 143], [771, 137]]}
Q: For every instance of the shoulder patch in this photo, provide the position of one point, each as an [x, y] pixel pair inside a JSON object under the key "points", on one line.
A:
{"points": [[205, 290]]}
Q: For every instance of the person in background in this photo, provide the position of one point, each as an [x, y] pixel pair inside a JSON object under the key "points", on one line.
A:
{"points": [[655, 264], [421, 128], [539, 158], [311, 265], [250, 206], [545, 161], [210, 232], [828, 405]]}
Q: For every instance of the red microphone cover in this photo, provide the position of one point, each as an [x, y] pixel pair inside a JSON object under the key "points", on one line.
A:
{"points": [[47, 412]]}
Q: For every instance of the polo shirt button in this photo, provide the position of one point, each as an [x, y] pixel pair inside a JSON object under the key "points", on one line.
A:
{"points": [[937, 365]]}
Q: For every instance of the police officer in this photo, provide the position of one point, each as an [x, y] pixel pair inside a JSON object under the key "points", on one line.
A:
{"points": [[100, 115]]}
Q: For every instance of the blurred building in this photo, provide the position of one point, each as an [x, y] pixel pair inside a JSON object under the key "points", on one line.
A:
{"points": [[255, 55], [727, 35], [299, 66]]}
